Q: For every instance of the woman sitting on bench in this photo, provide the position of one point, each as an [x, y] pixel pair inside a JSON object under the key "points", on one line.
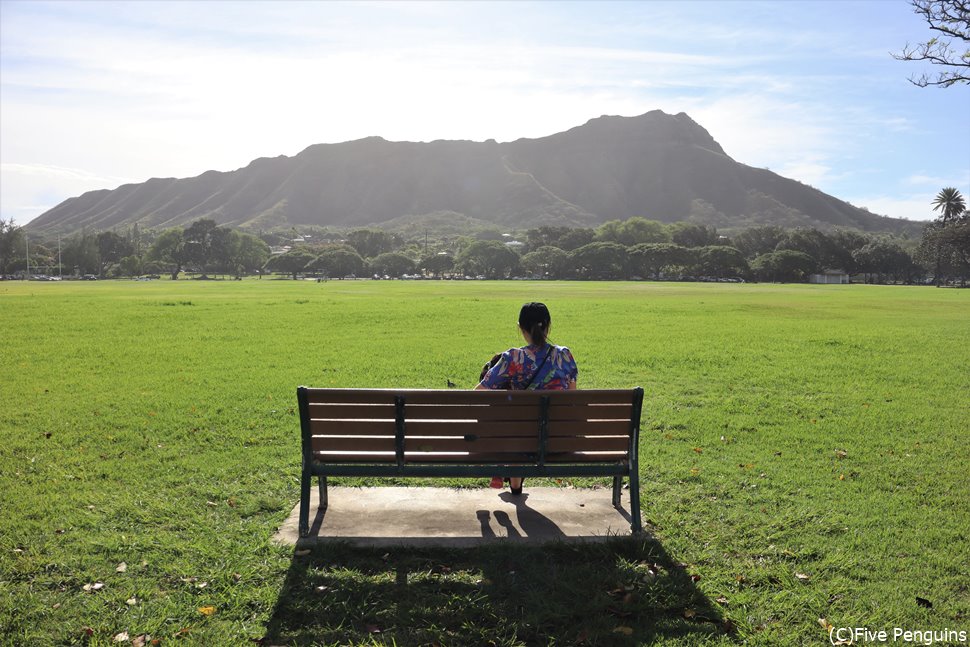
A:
{"points": [[539, 365]]}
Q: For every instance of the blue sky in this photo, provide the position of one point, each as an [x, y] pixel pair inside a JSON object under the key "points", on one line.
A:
{"points": [[98, 94]]}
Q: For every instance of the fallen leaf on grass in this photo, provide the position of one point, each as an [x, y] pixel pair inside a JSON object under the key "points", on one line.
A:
{"points": [[201, 585], [184, 631], [722, 600], [207, 610], [236, 577], [140, 640], [825, 624], [803, 577], [122, 637], [626, 631], [689, 613], [923, 602], [211, 504], [96, 586], [695, 578], [87, 631], [699, 450], [841, 453], [132, 601], [121, 568]]}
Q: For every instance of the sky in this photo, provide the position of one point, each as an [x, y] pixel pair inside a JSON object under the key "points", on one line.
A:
{"points": [[94, 95]]}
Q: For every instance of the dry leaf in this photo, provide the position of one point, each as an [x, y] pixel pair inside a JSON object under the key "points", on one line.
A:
{"points": [[626, 631], [56, 606], [689, 613], [140, 640], [825, 624], [122, 567], [841, 453], [236, 577], [694, 471], [184, 631], [841, 477], [699, 450], [132, 601], [201, 585], [722, 600], [803, 577], [211, 503], [122, 637], [88, 631], [207, 611], [96, 586], [695, 578]]}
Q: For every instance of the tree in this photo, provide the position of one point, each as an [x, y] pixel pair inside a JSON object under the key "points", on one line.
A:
{"points": [[546, 262], [935, 242], [689, 234], [292, 262], [371, 242], [785, 266], [80, 253], [338, 261], [756, 241], [721, 261], [437, 264], [951, 19], [632, 231], [882, 257], [812, 242], [488, 258], [11, 244], [112, 248], [169, 248], [950, 203], [654, 259], [391, 264], [246, 253], [601, 260], [205, 242], [130, 265]]}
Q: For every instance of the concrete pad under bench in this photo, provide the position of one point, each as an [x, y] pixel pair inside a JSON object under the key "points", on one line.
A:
{"points": [[434, 516]]}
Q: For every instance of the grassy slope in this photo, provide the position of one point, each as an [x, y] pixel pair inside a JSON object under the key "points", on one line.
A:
{"points": [[818, 430]]}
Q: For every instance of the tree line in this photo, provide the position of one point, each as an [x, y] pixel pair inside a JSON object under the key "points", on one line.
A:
{"points": [[636, 248]]}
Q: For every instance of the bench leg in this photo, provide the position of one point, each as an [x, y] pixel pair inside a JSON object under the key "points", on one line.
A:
{"points": [[305, 503], [617, 487], [322, 485], [636, 525]]}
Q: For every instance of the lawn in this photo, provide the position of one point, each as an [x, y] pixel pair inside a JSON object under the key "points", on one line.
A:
{"points": [[804, 456]]}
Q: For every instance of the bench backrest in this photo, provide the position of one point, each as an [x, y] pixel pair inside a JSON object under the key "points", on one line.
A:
{"points": [[453, 426]]}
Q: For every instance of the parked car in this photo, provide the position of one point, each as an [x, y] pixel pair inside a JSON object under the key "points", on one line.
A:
{"points": [[89, 277]]}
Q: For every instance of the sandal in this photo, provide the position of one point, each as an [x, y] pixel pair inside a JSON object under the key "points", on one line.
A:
{"points": [[497, 482]]}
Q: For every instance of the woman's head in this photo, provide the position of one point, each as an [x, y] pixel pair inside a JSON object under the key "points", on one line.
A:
{"points": [[535, 321]]}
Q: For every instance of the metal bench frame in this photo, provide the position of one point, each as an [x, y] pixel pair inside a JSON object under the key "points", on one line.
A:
{"points": [[527, 464]]}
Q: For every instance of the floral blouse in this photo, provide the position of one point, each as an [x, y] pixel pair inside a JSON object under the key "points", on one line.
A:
{"points": [[517, 369]]}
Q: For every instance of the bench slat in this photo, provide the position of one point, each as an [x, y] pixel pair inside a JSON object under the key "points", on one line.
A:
{"points": [[463, 397], [590, 412], [352, 427], [356, 410], [353, 443]]}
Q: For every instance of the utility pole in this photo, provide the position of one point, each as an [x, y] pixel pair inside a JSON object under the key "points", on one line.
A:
{"points": [[27, 253], [58, 256]]}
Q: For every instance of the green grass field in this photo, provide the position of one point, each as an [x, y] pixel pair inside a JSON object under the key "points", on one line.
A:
{"points": [[804, 455]]}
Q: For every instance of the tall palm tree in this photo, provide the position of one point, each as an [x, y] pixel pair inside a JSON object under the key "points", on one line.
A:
{"points": [[949, 203]]}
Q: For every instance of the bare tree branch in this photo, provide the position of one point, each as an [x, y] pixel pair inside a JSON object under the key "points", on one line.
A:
{"points": [[952, 19]]}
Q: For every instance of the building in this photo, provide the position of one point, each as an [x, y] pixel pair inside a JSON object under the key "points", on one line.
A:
{"points": [[830, 277]]}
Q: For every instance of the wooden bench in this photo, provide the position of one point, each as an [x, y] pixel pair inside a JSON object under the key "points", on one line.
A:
{"points": [[450, 433]]}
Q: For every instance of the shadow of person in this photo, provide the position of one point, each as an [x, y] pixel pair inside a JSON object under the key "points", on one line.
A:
{"points": [[484, 521], [533, 523], [506, 522]]}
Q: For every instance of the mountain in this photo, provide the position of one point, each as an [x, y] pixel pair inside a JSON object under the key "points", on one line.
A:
{"points": [[659, 166]]}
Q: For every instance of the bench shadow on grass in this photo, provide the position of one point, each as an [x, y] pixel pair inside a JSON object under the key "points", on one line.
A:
{"points": [[624, 590]]}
